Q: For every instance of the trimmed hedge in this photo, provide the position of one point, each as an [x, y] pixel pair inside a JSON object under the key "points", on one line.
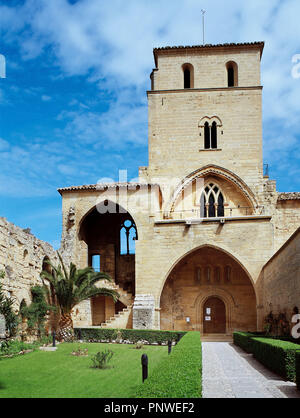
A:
{"points": [[180, 375], [133, 335], [298, 369], [243, 340], [279, 356]]}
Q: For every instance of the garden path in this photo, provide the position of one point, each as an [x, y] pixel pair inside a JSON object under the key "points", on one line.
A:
{"points": [[229, 372]]}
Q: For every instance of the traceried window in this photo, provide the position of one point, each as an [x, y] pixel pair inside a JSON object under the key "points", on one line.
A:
{"points": [[128, 236], [212, 202]]}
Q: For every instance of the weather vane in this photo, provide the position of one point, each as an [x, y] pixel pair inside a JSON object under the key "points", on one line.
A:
{"points": [[203, 13]]}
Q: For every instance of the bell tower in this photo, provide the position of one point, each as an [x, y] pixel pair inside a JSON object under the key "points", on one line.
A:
{"points": [[205, 107]]}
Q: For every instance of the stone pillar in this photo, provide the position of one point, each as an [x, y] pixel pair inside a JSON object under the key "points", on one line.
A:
{"points": [[144, 312], [2, 327]]}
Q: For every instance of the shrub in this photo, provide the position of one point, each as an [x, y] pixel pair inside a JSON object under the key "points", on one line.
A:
{"points": [[243, 340], [6, 309], [278, 355], [37, 311], [179, 376], [101, 359], [13, 347], [134, 336], [298, 370]]}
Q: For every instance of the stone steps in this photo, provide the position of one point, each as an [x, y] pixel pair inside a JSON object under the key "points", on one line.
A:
{"points": [[217, 338], [118, 321], [125, 297]]}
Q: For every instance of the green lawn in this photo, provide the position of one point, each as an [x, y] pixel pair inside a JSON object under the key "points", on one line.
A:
{"points": [[61, 375]]}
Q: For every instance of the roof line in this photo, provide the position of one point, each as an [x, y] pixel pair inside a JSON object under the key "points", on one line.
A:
{"points": [[259, 44], [101, 186]]}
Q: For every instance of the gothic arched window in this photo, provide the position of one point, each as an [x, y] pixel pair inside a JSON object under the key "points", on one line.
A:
{"points": [[210, 136], [212, 202], [128, 236]]}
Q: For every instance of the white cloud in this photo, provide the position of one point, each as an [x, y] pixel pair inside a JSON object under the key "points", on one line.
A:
{"points": [[4, 145], [111, 44], [46, 98]]}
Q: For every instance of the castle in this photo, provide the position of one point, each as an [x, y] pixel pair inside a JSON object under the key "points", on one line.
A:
{"points": [[203, 241]]}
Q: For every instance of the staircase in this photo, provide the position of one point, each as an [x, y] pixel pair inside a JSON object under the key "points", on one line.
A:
{"points": [[125, 297], [119, 320]]}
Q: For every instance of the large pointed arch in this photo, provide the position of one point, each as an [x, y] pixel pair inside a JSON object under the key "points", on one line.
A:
{"points": [[217, 171], [184, 295], [237, 258]]}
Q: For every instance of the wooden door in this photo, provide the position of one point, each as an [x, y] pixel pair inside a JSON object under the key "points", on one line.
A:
{"points": [[98, 310], [214, 316]]}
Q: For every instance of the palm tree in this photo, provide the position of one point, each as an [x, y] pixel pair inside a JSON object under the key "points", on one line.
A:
{"points": [[69, 288]]}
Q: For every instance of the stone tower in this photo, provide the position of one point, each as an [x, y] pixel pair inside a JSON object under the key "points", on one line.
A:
{"points": [[204, 218], [205, 107]]}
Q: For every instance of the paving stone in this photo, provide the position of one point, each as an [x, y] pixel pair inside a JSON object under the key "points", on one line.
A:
{"points": [[229, 373]]}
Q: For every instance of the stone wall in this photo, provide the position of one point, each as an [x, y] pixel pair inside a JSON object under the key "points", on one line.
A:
{"points": [[21, 258], [279, 281]]}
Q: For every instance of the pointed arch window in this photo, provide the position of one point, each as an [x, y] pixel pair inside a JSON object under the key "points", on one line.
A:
{"points": [[212, 202], [128, 236]]}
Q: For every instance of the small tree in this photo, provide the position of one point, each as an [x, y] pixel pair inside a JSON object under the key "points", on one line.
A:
{"points": [[69, 288], [6, 309], [36, 312]]}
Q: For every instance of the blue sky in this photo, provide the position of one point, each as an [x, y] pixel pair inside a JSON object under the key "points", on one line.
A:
{"points": [[73, 104]]}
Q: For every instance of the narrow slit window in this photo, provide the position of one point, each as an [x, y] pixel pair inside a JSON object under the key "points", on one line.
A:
{"points": [[208, 274], [228, 274], [218, 274]]}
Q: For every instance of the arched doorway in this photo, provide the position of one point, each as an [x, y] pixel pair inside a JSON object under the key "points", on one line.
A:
{"points": [[109, 237], [214, 316], [208, 277]]}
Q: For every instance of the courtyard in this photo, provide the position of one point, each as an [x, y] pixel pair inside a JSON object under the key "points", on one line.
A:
{"points": [[60, 375]]}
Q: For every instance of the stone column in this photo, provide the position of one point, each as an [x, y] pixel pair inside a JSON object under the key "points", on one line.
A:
{"points": [[144, 312], [2, 327]]}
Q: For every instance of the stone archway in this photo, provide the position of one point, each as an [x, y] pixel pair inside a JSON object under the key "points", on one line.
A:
{"points": [[107, 235], [207, 273]]}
